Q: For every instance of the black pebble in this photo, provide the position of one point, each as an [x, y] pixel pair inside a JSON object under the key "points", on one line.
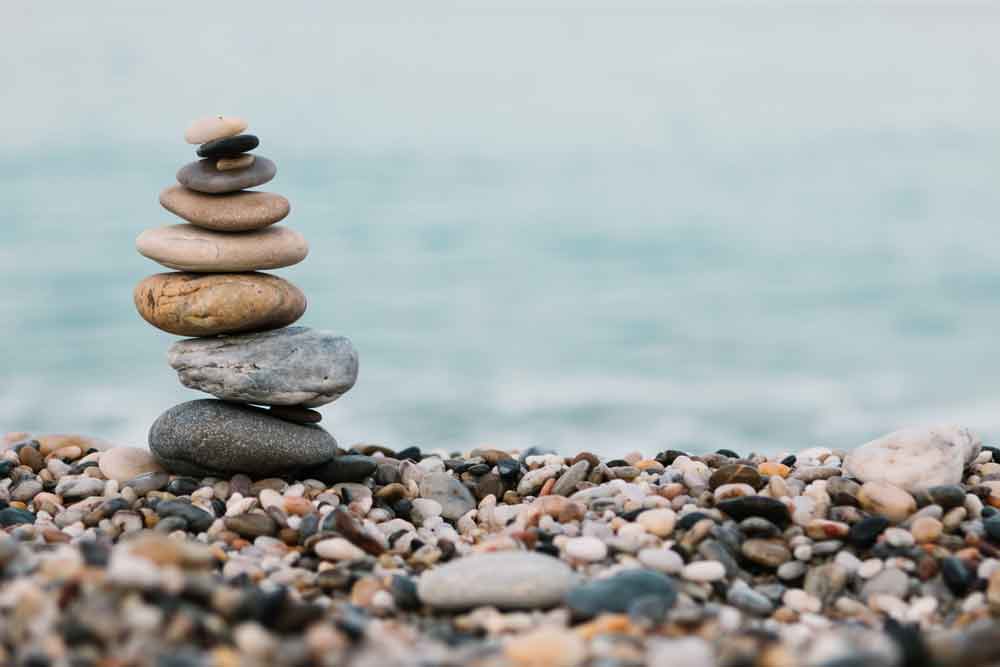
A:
{"points": [[690, 519], [910, 641], [864, 533], [411, 453], [95, 554], [789, 460], [404, 592], [346, 468], [6, 467], [508, 468], [183, 486], [197, 519], [667, 457], [728, 453], [228, 146], [956, 575], [994, 451], [992, 526]]}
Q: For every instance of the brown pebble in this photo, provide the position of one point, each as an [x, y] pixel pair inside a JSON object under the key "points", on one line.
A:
{"points": [[735, 473], [547, 487], [32, 458], [588, 457]]}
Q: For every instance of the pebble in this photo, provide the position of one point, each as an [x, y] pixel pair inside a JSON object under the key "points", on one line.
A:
{"points": [[802, 602], [508, 580], [567, 482], [228, 146], [345, 468], [124, 463], [614, 594], [890, 581], [296, 413], [233, 163], [208, 436], [915, 458], [453, 496], [744, 507], [293, 366], [667, 561], [736, 473], [926, 529], [588, 549], [211, 128], [187, 247], [741, 596], [234, 212], [659, 522], [203, 176], [338, 549], [888, 500], [704, 570], [769, 553], [195, 304], [546, 647]]}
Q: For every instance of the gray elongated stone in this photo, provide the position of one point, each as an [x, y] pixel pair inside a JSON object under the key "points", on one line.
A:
{"points": [[204, 176], [509, 580], [290, 366], [209, 437]]}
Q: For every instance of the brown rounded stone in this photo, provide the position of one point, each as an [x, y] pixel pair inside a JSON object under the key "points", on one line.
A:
{"points": [[735, 473], [233, 212], [192, 304]]}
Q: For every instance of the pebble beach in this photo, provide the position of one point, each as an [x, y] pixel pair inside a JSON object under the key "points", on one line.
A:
{"points": [[488, 557]]}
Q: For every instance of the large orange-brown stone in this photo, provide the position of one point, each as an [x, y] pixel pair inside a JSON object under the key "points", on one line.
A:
{"points": [[233, 212], [192, 304]]}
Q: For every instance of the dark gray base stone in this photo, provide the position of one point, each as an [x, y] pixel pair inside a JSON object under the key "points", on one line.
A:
{"points": [[211, 437]]}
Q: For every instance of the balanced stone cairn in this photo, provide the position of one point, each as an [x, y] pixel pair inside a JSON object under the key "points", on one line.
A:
{"points": [[245, 353]]}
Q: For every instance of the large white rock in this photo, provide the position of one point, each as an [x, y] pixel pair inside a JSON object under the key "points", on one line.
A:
{"points": [[915, 458]]}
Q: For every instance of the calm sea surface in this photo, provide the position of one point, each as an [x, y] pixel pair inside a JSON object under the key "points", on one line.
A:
{"points": [[751, 225]]}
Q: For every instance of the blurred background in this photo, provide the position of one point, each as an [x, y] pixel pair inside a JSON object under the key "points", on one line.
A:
{"points": [[580, 225]]}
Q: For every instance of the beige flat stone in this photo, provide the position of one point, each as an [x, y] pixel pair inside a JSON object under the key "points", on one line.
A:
{"points": [[194, 304], [191, 248], [233, 212], [230, 163], [213, 127]]}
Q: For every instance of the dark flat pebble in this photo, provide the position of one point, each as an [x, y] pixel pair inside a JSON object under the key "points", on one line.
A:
{"points": [[229, 146]]}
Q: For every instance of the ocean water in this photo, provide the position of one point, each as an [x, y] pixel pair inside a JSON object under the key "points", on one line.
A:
{"points": [[581, 225]]}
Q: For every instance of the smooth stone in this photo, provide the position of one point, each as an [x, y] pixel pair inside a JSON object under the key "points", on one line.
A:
{"points": [[886, 499], [196, 518], [296, 413], [704, 571], [566, 483], [294, 366], [338, 549], [957, 576], [13, 516], [231, 163], [744, 507], [149, 481], [187, 247], [346, 468], [508, 580], [659, 521], [663, 560], [202, 176], [735, 473], [890, 581], [211, 128], [234, 212], [915, 458], [454, 497], [192, 304], [586, 548], [992, 527], [864, 533], [125, 463], [206, 437], [251, 525], [228, 146], [769, 553], [616, 593], [741, 596]]}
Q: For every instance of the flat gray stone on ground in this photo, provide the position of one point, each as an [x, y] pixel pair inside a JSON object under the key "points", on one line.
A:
{"points": [[210, 437], [509, 580], [454, 497], [204, 176], [290, 366]]}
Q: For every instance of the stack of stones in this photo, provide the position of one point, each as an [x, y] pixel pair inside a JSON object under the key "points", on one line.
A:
{"points": [[245, 353]]}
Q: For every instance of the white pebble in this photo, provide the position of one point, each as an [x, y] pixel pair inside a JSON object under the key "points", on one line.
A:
{"points": [[586, 548], [800, 601], [870, 568], [704, 571], [663, 560], [337, 548]]}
